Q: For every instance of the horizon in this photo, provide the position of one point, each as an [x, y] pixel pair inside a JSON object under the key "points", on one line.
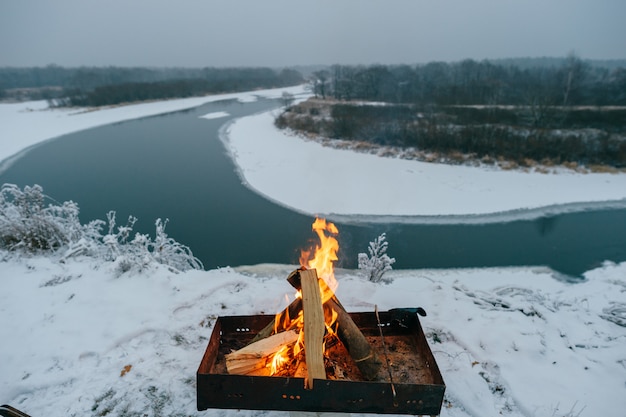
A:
{"points": [[279, 33], [296, 66]]}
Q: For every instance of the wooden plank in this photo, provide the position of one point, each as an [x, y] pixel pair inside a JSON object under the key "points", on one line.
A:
{"points": [[290, 311], [363, 354], [314, 327], [256, 355]]}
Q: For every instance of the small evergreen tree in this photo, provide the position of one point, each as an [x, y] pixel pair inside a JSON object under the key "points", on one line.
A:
{"points": [[377, 262]]}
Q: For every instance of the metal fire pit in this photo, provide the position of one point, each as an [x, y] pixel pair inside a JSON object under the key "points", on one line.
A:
{"points": [[417, 382]]}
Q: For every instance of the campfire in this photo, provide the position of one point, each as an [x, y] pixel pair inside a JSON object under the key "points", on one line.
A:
{"points": [[314, 346], [295, 342]]}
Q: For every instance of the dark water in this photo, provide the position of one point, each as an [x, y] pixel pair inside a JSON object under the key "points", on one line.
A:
{"points": [[174, 166]]}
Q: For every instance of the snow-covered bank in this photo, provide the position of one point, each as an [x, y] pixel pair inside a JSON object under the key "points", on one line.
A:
{"points": [[314, 179], [23, 125], [77, 340]]}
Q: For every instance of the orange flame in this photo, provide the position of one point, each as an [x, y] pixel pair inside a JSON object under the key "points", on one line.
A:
{"points": [[321, 257], [281, 357]]}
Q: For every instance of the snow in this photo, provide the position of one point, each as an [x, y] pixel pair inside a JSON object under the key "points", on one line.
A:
{"points": [[215, 115], [337, 182], [510, 341], [80, 340]]}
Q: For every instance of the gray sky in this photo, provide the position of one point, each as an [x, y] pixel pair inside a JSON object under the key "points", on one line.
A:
{"points": [[198, 33]]}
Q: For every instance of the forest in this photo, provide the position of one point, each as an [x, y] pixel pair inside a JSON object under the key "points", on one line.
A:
{"points": [[566, 111], [97, 86], [568, 81]]}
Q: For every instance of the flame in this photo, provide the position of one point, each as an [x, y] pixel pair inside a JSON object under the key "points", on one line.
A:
{"points": [[321, 257], [280, 359]]}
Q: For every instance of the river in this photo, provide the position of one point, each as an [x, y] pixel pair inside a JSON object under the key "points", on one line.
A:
{"points": [[175, 166]]}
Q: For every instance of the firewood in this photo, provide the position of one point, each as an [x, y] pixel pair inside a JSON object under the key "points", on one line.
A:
{"points": [[292, 310], [314, 327], [301, 371], [255, 357], [364, 356]]}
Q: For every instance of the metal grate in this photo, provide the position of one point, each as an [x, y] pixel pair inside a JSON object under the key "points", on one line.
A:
{"points": [[414, 387]]}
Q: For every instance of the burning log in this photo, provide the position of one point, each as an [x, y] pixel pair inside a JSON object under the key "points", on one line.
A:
{"points": [[255, 358], [314, 327], [356, 344], [348, 332], [290, 311], [314, 323]]}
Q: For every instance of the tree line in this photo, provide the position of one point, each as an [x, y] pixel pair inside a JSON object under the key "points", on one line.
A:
{"points": [[567, 112], [94, 86], [572, 81], [586, 136]]}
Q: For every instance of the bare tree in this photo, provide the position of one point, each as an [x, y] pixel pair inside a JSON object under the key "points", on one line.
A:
{"points": [[320, 83], [287, 98], [575, 71]]}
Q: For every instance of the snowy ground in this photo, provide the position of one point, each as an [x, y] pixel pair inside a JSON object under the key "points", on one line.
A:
{"points": [[79, 340]]}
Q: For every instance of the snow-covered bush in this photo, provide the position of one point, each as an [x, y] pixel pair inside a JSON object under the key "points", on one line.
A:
{"points": [[26, 224], [128, 254], [377, 262], [141, 251], [116, 241], [169, 252]]}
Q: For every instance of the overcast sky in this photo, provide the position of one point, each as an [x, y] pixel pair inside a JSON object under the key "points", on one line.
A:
{"points": [[280, 33]]}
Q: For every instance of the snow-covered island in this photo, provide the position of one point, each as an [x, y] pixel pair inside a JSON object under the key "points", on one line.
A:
{"points": [[80, 339]]}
